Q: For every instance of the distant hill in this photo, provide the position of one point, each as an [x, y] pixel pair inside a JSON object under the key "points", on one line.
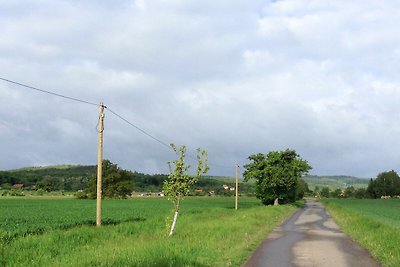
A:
{"points": [[76, 177], [60, 177], [335, 182], [58, 167]]}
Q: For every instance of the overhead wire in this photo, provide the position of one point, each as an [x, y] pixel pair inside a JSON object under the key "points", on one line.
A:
{"points": [[156, 139], [48, 92], [111, 111], [139, 129]]}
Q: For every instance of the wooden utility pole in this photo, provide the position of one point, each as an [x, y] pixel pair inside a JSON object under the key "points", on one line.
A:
{"points": [[99, 164], [237, 187]]}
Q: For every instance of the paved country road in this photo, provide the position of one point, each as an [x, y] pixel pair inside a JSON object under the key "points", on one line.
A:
{"points": [[310, 238]]}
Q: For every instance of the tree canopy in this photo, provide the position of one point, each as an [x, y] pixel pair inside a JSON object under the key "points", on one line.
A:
{"points": [[117, 183], [179, 181], [277, 175], [63, 177], [386, 184]]}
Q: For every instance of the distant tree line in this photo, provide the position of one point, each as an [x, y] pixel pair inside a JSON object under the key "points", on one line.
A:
{"points": [[387, 184], [348, 192], [68, 178], [119, 183], [116, 181]]}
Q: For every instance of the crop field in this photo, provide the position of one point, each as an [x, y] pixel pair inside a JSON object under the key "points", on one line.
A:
{"points": [[61, 232], [375, 224]]}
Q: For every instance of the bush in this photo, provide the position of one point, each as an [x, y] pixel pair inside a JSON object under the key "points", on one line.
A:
{"points": [[349, 192], [81, 195], [360, 193], [325, 192], [337, 193], [17, 193], [40, 192]]}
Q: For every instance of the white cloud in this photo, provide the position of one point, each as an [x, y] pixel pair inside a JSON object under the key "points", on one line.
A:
{"points": [[235, 78]]}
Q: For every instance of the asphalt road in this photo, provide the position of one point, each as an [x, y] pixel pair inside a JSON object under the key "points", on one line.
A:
{"points": [[310, 238]]}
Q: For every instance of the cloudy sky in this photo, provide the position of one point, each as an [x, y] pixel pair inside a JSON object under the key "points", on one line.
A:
{"points": [[233, 77]]}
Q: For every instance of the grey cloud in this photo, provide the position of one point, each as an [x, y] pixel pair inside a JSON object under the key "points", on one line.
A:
{"points": [[234, 78]]}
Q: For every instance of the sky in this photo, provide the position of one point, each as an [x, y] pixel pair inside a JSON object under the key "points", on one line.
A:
{"points": [[233, 77]]}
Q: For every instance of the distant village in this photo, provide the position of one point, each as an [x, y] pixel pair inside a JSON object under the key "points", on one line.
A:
{"points": [[197, 191]]}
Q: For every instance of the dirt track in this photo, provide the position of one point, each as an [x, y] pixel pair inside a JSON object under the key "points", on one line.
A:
{"points": [[310, 238]]}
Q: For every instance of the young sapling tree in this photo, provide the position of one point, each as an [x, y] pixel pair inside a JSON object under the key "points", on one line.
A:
{"points": [[178, 183]]}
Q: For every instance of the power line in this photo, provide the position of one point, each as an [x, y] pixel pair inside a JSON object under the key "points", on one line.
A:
{"points": [[48, 92], [139, 129], [158, 140], [113, 112]]}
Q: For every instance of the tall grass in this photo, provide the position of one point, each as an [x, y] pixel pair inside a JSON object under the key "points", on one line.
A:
{"points": [[375, 224], [209, 233]]}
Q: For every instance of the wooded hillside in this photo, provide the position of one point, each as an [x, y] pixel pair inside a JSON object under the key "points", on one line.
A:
{"points": [[335, 182], [74, 177]]}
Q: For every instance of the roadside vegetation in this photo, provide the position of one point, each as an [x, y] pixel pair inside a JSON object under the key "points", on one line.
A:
{"points": [[386, 185], [374, 223], [60, 232]]}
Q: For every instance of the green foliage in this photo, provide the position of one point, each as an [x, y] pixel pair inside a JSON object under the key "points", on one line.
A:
{"points": [[302, 189], [277, 175], [76, 178], [325, 192], [16, 193], [116, 183], [6, 186], [67, 178], [375, 224], [335, 182], [215, 183], [336, 193], [386, 184], [212, 235], [349, 192], [360, 193], [179, 181]]}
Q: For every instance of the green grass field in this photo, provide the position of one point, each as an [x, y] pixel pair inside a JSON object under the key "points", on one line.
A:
{"points": [[60, 232], [375, 224]]}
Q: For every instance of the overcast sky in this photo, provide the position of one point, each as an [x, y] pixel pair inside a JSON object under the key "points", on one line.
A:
{"points": [[233, 77]]}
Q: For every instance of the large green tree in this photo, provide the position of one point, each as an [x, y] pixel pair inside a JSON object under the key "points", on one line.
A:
{"points": [[277, 175], [116, 183], [386, 184]]}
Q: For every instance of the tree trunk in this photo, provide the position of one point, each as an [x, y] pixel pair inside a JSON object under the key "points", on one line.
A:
{"points": [[276, 202], [171, 231], [173, 223]]}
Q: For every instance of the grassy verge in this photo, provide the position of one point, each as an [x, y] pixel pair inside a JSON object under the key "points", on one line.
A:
{"points": [[374, 224], [209, 233]]}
